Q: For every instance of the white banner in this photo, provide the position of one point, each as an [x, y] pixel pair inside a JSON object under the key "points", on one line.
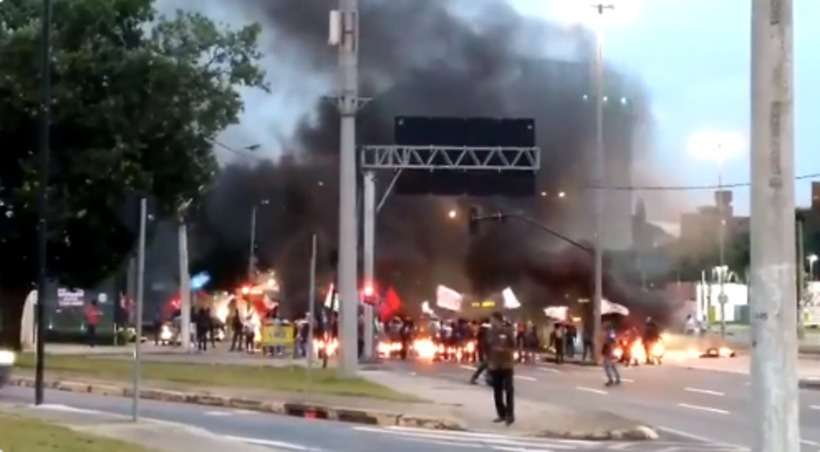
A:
{"points": [[449, 299]]}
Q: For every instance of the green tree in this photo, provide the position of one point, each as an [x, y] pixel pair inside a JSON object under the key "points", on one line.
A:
{"points": [[137, 99]]}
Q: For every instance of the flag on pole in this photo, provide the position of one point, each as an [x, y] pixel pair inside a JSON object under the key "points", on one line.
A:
{"points": [[608, 307], [449, 299], [510, 300], [557, 313]]}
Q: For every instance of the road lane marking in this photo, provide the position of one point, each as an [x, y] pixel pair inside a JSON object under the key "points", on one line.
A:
{"points": [[269, 443], [549, 369], [814, 407], [471, 439], [702, 439], [466, 367], [809, 443], [592, 390], [704, 391], [525, 378], [217, 413], [704, 408]]}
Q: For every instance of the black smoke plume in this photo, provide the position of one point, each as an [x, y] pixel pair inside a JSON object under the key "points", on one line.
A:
{"points": [[431, 58]]}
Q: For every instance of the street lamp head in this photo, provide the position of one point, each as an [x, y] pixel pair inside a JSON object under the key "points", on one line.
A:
{"points": [[562, 195], [812, 258], [452, 214]]}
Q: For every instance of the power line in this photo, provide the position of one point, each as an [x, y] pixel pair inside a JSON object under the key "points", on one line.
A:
{"points": [[244, 152], [691, 187]]}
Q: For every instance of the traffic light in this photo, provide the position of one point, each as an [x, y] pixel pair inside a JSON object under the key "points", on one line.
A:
{"points": [[475, 217]]}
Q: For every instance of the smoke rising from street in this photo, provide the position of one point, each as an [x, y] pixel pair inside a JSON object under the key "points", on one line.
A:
{"points": [[420, 57]]}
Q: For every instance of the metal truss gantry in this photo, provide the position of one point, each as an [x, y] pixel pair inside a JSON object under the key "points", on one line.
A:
{"points": [[400, 157]]}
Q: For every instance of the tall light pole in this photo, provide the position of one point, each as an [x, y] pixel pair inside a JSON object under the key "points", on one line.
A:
{"points": [[598, 182], [774, 312], [135, 410], [252, 250], [42, 201], [344, 34], [369, 239]]}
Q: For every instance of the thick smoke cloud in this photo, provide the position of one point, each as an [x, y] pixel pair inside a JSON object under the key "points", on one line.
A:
{"points": [[421, 57]]}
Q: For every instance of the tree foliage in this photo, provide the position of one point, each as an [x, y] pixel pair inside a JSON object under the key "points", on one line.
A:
{"points": [[137, 99]]}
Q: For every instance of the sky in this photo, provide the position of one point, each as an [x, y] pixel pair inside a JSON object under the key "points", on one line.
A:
{"points": [[693, 56]]}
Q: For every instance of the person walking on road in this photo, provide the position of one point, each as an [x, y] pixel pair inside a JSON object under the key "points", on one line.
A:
{"points": [[481, 347], [610, 361], [501, 350]]}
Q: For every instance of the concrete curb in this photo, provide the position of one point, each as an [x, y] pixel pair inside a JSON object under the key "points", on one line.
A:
{"points": [[317, 411], [311, 411]]}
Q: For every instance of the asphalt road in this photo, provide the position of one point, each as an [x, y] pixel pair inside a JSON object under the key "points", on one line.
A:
{"points": [[295, 434], [713, 407]]}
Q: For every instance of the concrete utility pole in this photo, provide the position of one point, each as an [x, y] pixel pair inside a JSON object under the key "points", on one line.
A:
{"points": [[135, 410], [598, 183], [347, 21], [774, 319], [369, 257], [801, 277], [184, 286]]}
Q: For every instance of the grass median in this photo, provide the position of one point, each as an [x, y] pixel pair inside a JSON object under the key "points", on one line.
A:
{"points": [[184, 375], [19, 434]]}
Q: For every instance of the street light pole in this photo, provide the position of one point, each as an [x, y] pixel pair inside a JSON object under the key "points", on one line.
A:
{"points": [[598, 182], [138, 320], [184, 284], [369, 238], [722, 245], [251, 253], [348, 103], [774, 387], [42, 204]]}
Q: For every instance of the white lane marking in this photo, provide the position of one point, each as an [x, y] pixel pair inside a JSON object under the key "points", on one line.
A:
{"points": [[525, 378], [217, 413], [704, 391], [266, 442], [814, 407], [592, 390], [464, 366], [549, 369], [704, 408], [244, 412], [487, 439], [809, 443], [702, 439]]}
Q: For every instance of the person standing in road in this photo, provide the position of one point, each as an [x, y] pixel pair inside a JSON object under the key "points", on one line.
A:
{"points": [[236, 325], [481, 347], [92, 319], [610, 361], [501, 351]]}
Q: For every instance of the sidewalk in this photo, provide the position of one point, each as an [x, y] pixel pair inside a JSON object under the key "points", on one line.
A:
{"points": [[474, 407], [152, 435]]}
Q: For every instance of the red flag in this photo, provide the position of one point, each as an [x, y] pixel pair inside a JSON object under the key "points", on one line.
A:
{"points": [[391, 305]]}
